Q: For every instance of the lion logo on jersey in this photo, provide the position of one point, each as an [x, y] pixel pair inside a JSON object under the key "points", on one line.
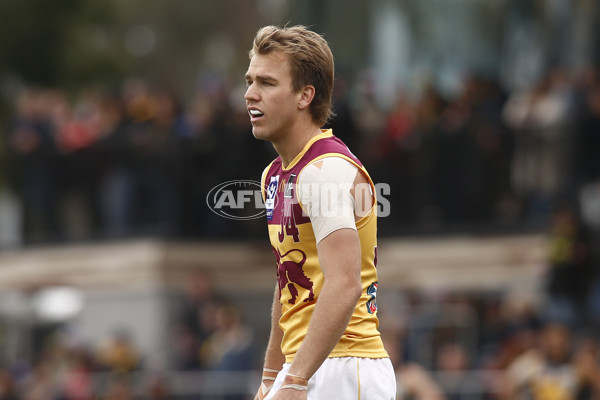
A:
{"points": [[291, 275]]}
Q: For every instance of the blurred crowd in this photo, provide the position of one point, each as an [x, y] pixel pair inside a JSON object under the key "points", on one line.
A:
{"points": [[455, 346], [460, 346], [142, 160], [137, 163], [207, 334], [58, 369]]}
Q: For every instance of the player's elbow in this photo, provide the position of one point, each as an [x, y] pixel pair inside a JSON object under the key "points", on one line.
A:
{"points": [[353, 287], [347, 284], [352, 282], [356, 291]]}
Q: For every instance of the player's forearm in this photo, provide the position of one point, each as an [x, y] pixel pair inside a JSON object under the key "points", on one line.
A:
{"points": [[330, 318], [274, 358], [339, 257]]}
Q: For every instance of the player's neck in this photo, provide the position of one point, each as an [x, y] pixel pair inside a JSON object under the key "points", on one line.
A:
{"points": [[293, 143]]}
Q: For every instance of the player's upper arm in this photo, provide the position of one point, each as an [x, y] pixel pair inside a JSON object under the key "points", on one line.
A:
{"points": [[332, 193], [340, 260]]}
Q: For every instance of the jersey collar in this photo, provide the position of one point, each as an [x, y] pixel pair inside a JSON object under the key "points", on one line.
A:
{"points": [[325, 133]]}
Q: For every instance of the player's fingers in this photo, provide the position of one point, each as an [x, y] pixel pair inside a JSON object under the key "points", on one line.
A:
{"points": [[263, 391], [268, 378]]}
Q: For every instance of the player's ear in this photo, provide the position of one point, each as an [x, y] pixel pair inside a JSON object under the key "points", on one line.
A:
{"points": [[307, 94]]}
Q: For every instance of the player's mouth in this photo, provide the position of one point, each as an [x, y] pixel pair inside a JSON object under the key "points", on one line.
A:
{"points": [[255, 114]]}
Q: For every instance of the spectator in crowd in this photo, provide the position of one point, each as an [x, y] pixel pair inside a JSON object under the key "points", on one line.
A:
{"points": [[453, 364], [135, 162], [8, 390], [40, 384], [556, 368], [194, 321], [412, 380], [542, 118], [32, 149], [589, 127], [230, 347], [157, 389], [118, 388], [76, 128], [119, 354], [150, 117], [77, 377], [571, 266]]}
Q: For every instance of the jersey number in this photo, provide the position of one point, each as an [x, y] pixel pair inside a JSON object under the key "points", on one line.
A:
{"points": [[288, 224]]}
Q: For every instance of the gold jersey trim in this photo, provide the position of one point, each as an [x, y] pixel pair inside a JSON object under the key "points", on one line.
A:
{"points": [[324, 134]]}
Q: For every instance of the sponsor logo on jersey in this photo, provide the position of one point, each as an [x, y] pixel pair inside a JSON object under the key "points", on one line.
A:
{"points": [[372, 302], [289, 187]]}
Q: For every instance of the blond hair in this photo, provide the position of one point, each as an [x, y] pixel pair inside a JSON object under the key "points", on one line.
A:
{"points": [[311, 63]]}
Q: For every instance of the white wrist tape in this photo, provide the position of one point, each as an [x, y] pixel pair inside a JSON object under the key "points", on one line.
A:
{"points": [[295, 387], [295, 382], [268, 375]]}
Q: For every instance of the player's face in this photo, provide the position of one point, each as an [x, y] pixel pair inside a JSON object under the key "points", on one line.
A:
{"points": [[270, 99]]}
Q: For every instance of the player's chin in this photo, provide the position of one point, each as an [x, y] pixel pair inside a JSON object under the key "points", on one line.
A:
{"points": [[259, 133]]}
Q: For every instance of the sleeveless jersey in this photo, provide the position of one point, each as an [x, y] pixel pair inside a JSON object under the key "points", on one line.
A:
{"points": [[299, 274]]}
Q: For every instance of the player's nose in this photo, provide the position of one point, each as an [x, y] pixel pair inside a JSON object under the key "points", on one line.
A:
{"points": [[251, 93]]}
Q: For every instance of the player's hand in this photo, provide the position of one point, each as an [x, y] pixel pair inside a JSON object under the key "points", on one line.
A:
{"points": [[262, 393], [268, 378], [290, 394]]}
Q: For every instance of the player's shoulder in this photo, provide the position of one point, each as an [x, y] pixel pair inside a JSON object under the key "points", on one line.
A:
{"points": [[329, 168], [334, 145], [330, 160]]}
